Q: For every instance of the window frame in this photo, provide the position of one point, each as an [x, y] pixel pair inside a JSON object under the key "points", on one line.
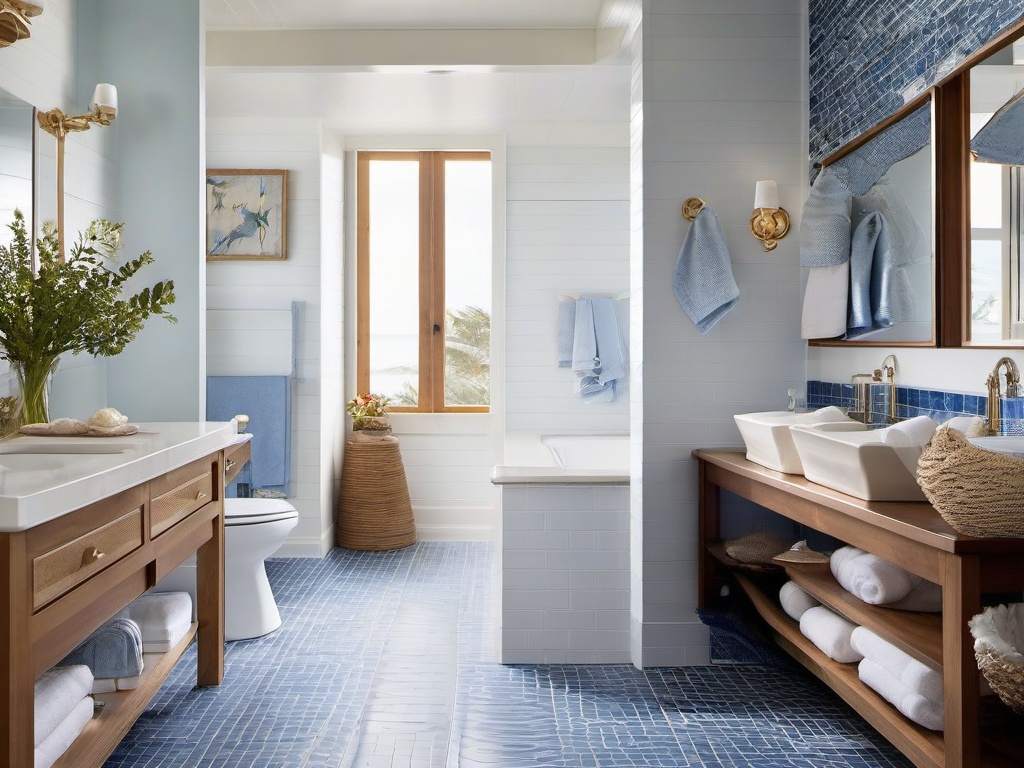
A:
{"points": [[430, 386]]}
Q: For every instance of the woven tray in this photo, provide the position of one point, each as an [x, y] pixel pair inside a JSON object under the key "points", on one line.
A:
{"points": [[374, 509]]}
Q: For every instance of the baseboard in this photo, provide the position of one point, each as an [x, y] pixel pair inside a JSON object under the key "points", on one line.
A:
{"points": [[306, 546], [443, 532]]}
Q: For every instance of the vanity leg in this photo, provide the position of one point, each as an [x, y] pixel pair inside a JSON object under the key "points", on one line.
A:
{"points": [[16, 715], [961, 599], [210, 605], [708, 499]]}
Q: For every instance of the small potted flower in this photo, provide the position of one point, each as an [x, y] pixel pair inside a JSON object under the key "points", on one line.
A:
{"points": [[369, 413]]}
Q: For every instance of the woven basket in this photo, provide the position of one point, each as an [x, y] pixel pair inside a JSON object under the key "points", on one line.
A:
{"points": [[757, 548], [998, 633], [978, 492], [374, 509]]}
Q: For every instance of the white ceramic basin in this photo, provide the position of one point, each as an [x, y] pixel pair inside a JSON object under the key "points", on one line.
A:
{"points": [[766, 435], [1011, 444], [849, 459]]}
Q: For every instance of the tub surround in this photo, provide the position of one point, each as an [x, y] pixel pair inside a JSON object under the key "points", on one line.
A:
{"points": [[504, 475]]}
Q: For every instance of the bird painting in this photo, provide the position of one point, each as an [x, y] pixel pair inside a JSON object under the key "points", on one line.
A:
{"points": [[245, 214]]}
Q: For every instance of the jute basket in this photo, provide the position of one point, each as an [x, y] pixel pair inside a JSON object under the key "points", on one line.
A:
{"points": [[978, 492], [374, 509], [998, 633]]}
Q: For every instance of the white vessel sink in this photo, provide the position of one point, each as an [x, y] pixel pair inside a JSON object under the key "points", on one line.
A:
{"points": [[849, 459], [766, 435], [1011, 444]]}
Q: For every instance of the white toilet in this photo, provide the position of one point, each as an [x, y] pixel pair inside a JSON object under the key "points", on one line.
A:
{"points": [[254, 529]]}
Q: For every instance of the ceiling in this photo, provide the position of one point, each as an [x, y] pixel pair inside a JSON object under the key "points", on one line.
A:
{"points": [[402, 14]]}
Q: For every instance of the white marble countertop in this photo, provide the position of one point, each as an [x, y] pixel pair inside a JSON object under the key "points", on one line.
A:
{"points": [[42, 478], [506, 475]]}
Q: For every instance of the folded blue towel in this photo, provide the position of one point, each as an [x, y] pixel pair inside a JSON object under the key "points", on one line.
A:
{"points": [[907, 237], [867, 164], [113, 650], [267, 402], [702, 278], [1001, 139], [825, 221], [599, 359], [862, 258], [566, 330]]}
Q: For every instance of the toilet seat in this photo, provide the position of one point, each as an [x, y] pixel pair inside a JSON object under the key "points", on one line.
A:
{"points": [[257, 511]]}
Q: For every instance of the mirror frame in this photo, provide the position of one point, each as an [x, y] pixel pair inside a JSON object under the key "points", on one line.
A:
{"points": [[928, 96]]}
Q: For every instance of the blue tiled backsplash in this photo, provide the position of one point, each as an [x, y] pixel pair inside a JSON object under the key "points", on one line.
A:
{"points": [[911, 402]]}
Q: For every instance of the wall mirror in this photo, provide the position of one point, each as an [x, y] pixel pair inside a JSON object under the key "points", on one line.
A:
{"points": [[892, 277], [996, 223], [17, 161]]}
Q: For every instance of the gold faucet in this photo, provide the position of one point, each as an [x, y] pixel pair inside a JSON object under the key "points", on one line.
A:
{"points": [[993, 411], [889, 372]]}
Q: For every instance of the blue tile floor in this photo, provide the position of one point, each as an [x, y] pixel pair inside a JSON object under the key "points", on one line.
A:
{"points": [[386, 660]]}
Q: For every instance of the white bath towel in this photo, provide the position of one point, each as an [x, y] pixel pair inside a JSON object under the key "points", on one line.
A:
{"points": [[795, 601], [163, 618], [111, 684], [57, 693], [879, 582], [825, 299], [57, 742], [830, 632], [970, 426], [908, 438], [924, 712], [917, 676], [825, 415]]}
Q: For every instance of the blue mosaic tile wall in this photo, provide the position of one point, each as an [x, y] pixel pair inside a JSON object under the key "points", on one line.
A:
{"points": [[910, 402], [869, 57]]}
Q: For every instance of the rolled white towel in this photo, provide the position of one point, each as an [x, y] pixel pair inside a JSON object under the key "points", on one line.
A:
{"points": [[914, 706], [830, 632], [870, 577], [970, 426], [57, 693], [917, 676], [163, 618], [908, 438], [824, 415], [795, 601], [57, 742]]}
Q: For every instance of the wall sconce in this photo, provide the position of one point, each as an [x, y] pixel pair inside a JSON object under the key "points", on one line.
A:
{"points": [[14, 20], [769, 223], [56, 123]]}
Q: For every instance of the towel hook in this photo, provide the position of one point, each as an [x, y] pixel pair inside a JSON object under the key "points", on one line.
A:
{"points": [[691, 207]]}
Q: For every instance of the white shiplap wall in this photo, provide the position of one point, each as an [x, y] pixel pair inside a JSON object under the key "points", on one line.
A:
{"points": [[311, 274], [722, 94]]}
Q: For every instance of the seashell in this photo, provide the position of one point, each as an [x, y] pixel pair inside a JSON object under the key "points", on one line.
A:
{"points": [[107, 418], [68, 427]]}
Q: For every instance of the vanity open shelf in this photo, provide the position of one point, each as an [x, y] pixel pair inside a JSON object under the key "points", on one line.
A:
{"points": [[911, 534]]}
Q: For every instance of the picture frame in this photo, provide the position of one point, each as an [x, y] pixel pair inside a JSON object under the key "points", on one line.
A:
{"points": [[246, 214]]}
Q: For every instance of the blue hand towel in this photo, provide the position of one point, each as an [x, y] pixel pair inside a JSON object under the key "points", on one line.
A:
{"points": [[702, 279], [867, 164], [566, 331], [267, 402], [825, 222], [1001, 139], [862, 259], [113, 650], [599, 358]]}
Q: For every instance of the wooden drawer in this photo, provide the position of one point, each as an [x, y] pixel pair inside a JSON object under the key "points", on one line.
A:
{"points": [[180, 493], [235, 457], [63, 568]]}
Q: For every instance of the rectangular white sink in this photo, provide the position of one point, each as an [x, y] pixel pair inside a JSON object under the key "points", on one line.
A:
{"points": [[1010, 444], [766, 435], [849, 459]]}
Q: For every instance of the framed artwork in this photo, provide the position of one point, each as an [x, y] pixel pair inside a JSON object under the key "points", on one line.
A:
{"points": [[246, 214]]}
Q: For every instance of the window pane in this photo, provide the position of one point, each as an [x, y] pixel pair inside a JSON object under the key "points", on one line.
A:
{"points": [[986, 290], [986, 195], [467, 240], [394, 279]]}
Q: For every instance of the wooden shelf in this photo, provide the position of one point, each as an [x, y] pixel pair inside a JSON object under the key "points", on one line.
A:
{"points": [[122, 708], [915, 633]]}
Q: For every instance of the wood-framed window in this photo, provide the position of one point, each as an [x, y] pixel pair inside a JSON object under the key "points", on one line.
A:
{"points": [[424, 239]]}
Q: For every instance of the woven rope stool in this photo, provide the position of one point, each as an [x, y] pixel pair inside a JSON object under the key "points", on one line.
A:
{"points": [[374, 511]]}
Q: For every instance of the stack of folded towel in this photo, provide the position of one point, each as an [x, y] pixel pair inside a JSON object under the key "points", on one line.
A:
{"points": [[829, 631], [163, 618], [879, 582], [914, 688], [63, 707], [113, 654]]}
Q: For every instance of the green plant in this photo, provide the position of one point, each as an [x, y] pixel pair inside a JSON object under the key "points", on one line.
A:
{"points": [[68, 305]]}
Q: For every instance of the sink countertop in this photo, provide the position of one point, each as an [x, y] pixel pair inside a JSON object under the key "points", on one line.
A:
{"points": [[39, 486]]}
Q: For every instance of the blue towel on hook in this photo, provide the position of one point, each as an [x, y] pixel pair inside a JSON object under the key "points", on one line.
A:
{"points": [[702, 279], [598, 358], [1001, 139], [566, 331], [825, 221], [113, 650], [267, 402]]}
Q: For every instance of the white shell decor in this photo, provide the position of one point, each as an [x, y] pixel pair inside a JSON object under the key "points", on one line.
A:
{"points": [[106, 422], [57, 427]]}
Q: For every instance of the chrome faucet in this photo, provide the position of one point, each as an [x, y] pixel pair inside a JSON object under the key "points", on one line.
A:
{"points": [[993, 412], [889, 372]]}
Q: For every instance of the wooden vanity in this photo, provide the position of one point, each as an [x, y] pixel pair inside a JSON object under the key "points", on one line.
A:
{"points": [[912, 535], [67, 576]]}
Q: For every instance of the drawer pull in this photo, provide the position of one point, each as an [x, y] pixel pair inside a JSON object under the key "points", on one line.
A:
{"points": [[201, 495], [91, 555]]}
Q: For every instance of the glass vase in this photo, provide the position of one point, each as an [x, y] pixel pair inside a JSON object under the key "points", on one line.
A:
{"points": [[34, 382]]}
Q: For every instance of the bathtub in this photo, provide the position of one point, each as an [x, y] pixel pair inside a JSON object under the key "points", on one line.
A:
{"points": [[565, 560]]}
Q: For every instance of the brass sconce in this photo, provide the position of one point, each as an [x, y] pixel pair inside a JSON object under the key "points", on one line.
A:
{"points": [[56, 123], [769, 223], [14, 20]]}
